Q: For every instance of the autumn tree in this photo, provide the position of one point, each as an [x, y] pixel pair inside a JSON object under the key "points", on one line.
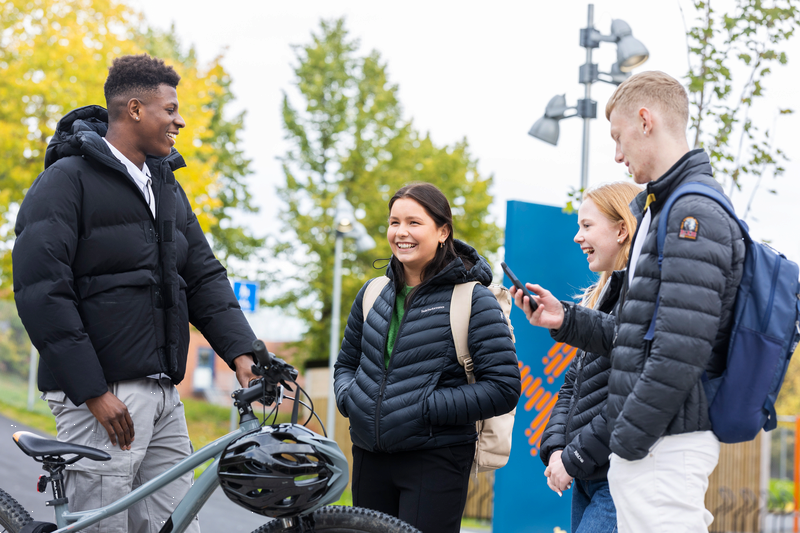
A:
{"points": [[214, 149], [348, 137], [54, 56]]}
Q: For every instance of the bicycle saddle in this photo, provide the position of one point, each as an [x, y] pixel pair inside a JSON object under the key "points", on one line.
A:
{"points": [[36, 446]]}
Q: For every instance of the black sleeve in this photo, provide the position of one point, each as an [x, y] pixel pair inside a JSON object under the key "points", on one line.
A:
{"points": [[586, 329], [350, 354], [213, 308], [589, 450], [554, 436], [44, 289], [497, 387]]}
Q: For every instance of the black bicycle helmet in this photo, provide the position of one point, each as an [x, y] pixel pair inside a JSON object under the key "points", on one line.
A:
{"points": [[283, 470]]}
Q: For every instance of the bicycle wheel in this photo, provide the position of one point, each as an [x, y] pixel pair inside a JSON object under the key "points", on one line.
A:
{"points": [[339, 519], [12, 515]]}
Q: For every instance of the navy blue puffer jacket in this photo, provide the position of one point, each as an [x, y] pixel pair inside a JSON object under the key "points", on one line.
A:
{"points": [[422, 400]]}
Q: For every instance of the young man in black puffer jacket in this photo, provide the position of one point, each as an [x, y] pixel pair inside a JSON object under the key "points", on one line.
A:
{"points": [[110, 266], [661, 435]]}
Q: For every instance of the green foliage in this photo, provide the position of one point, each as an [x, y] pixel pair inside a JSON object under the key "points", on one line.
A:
{"points": [[722, 47], [780, 498], [347, 136], [15, 347]]}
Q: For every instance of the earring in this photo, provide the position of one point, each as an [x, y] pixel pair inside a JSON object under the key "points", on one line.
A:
{"points": [[644, 131], [137, 118], [441, 245], [619, 241]]}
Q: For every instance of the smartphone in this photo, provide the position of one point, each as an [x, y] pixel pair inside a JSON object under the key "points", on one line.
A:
{"points": [[519, 285]]}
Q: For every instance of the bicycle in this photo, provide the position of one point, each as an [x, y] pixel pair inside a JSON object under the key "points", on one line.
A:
{"points": [[284, 471]]}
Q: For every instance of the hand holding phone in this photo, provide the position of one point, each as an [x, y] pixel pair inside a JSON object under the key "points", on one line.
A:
{"points": [[519, 285]]}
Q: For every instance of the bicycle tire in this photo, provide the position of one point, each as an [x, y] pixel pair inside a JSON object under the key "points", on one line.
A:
{"points": [[12, 515], [340, 519]]}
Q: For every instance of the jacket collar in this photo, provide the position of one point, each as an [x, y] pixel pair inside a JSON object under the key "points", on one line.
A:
{"points": [[80, 132], [693, 166]]}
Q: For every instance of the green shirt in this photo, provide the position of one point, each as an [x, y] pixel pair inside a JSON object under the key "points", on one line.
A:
{"points": [[394, 325]]}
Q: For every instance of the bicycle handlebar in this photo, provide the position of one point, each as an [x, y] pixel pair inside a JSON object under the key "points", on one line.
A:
{"points": [[263, 356], [273, 371]]}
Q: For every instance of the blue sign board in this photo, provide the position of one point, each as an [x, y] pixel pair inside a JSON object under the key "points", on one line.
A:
{"points": [[539, 249], [247, 294]]}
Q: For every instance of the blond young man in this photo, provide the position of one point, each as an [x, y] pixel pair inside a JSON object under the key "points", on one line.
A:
{"points": [[663, 447]]}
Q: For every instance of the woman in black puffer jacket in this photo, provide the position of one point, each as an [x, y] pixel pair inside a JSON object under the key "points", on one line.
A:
{"points": [[575, 442], [412, 412]]}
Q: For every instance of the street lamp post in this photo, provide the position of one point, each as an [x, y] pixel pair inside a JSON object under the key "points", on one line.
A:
{"points": [[630, 54], [346, 225]]}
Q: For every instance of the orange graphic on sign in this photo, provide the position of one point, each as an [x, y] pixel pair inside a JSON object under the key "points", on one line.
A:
{"points": [[555, 363]]}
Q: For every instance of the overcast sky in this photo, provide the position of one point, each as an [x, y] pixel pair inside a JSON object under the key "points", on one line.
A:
{"points": [[484, 71]]}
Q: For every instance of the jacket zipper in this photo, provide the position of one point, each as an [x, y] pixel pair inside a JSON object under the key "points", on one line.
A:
{"points": [[386, 374], [573, 403]]}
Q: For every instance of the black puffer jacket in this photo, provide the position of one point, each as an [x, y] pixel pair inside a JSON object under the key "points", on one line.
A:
{"points": [[655, 387], [578, 423], [105, 291], [422, 400]]}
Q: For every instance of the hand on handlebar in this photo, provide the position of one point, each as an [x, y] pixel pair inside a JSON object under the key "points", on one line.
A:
{"points": [[113, 415], [244, 369]]}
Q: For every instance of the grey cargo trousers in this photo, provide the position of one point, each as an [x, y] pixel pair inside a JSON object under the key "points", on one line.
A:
{"points": [[161, 440]]}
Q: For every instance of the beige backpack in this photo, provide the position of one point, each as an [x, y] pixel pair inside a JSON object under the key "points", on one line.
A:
{"points": [[494, 434]]}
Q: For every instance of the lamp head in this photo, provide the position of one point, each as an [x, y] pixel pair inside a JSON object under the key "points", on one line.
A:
{"points": [[631, 53], [344, 217], [545, 129], [556, 107], [616, 74]]}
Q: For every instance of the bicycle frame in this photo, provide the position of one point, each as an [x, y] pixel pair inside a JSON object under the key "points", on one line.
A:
{"points": [[186, 510]]}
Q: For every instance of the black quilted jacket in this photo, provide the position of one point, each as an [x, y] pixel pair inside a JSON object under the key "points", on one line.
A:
{"points": [[422, 400], [655, 386], [105, 290], [578, 423]]}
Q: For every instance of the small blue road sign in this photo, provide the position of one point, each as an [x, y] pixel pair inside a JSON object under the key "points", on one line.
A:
{"points": [[247, 294]]}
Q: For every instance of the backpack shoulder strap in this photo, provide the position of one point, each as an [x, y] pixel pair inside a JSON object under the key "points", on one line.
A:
{"points": [[371, 294], [692, 187], [460, 312]]}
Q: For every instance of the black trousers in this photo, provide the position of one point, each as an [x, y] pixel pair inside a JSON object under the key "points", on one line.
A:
{"points": [[426, 488]]}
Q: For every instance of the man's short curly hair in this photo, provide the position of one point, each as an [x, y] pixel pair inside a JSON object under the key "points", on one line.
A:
{"points": [[132, 76]]}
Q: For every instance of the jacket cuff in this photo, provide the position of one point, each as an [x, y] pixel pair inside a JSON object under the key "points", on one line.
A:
{"points": [[571, 468], [560, 334]]}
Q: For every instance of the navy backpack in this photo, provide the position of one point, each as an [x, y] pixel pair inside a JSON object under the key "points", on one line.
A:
{"points": [[765, 333]]}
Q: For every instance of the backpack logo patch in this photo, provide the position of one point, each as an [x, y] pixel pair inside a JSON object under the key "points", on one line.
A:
{"points": [[689, 228]]}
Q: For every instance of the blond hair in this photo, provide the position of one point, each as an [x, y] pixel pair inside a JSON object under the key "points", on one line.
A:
{"points": [[612, 199], [653, 89]]}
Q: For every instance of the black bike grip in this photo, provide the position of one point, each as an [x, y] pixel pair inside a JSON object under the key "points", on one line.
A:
{"points": [[261, 353]]}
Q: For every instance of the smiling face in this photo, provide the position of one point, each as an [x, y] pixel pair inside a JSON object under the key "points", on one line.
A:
{"points": [[159, 122], [633, 146], [598, 236], [413, 236]]}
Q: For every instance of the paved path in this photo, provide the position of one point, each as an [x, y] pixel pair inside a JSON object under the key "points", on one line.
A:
{"points": [[19, 473]]}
